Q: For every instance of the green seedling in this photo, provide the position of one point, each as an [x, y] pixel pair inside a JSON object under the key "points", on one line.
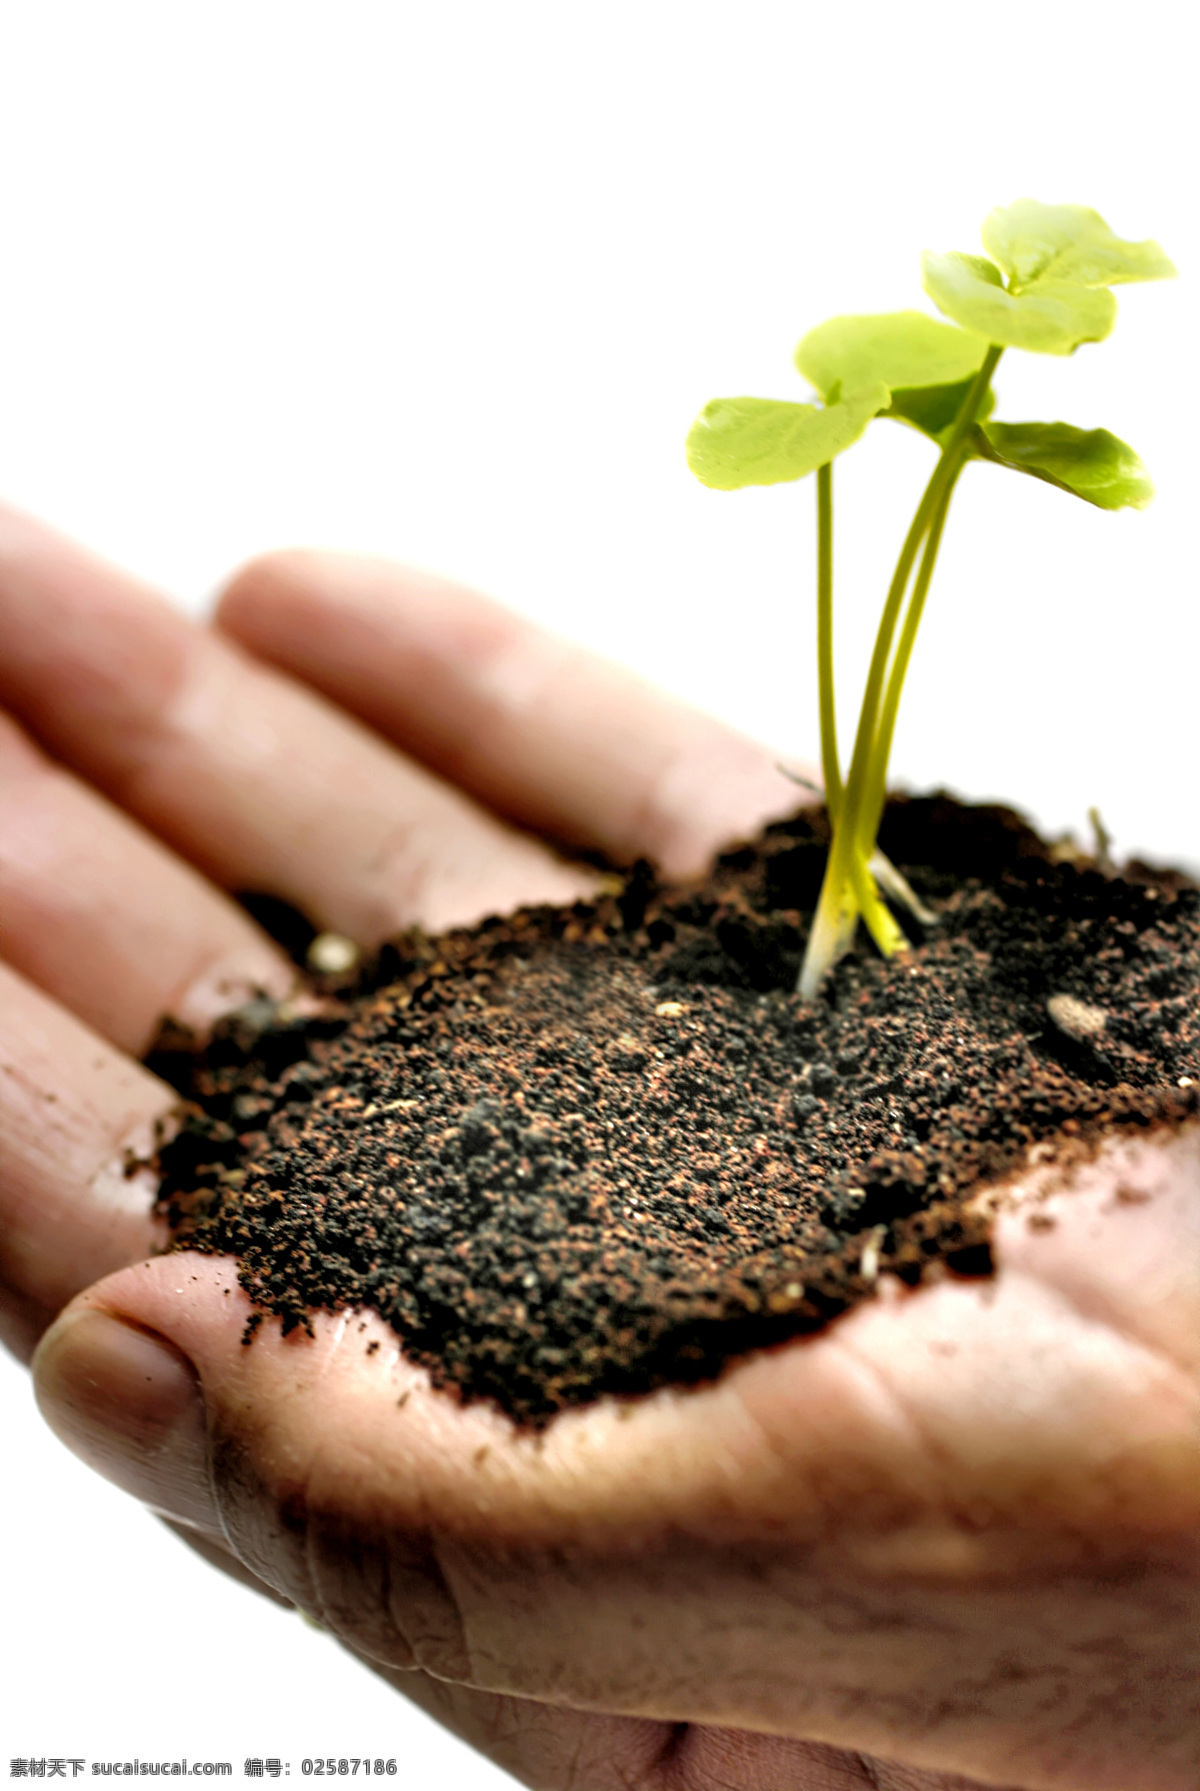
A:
{"points": [[1044, 286]]}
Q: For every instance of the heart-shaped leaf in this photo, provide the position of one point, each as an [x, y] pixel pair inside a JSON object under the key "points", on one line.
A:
{"points": [[934, 410], [1053, 317], [904, 349], [763, 441], [1034, 243], [1091, 463]]}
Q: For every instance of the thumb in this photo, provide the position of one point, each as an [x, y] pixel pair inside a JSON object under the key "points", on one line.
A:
{"points": [[129, 1402]]}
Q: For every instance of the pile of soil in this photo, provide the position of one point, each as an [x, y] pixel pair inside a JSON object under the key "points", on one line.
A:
{"points": [[595, 1149]]}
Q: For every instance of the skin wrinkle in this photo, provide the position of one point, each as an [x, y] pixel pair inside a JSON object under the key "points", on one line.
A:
{"points": [[511, 1723], [326, 1555], [708, 1757], [905, 1420], [389, 1596], [972, 1694], [514, 1725], [351, 1575], [1106, 1323], [883, 1506], [637, 1782], [468, 1652], [487, 1722], [639, 1776], [313, 1581], [409, 1597], [1052, 1735], [670, 1690], [762, 1438], [1181, 1385], [438, 1648], [237, 1488], [571, 1778], [882, 1776], [218, 1554], [670, 1694], [918, 1434], [964, 1698]]}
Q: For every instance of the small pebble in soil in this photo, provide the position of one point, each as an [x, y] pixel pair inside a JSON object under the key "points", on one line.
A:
{"points": [[331, 954], [1078, 1019]]}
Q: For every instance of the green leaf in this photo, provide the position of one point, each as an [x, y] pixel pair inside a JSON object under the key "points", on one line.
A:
{"points": [[901, 348], [1034, 243], [934, 409], [763, 441], [1053, 317], [1091, 463]]}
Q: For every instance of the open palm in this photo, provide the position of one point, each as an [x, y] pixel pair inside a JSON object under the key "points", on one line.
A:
{"points": [[958, 1533]]}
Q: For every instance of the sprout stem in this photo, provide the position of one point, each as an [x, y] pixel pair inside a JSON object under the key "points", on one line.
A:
{"points": [[842, 889], [830, 769], [876, 914], [872, 812]]}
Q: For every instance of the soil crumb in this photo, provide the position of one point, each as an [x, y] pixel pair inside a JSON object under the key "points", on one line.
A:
{"points": [[596, 1149]]}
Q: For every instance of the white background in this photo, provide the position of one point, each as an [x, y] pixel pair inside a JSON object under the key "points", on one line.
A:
{"points": [[449, 281]]}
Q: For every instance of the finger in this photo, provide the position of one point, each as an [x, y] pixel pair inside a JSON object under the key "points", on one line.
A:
{"points": [[213, 1549], [77, 1122], [959, 1529], [259, 783], [555, 737], [109, 922]]}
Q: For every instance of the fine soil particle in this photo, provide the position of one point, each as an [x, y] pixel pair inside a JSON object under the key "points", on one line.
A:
{"points": [[595, 1149]]}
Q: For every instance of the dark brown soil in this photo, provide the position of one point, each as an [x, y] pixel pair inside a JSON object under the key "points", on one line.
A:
{"points": [[591, 1150]]}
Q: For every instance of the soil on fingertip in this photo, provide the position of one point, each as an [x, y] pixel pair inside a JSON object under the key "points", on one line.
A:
{"points": [[592, 1150]]}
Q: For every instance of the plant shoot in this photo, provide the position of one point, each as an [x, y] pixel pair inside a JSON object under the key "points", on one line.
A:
{"points": [[1044, 287]]}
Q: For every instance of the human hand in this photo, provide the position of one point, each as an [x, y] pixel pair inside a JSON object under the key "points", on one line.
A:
{"points": [[958, 1530]]}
